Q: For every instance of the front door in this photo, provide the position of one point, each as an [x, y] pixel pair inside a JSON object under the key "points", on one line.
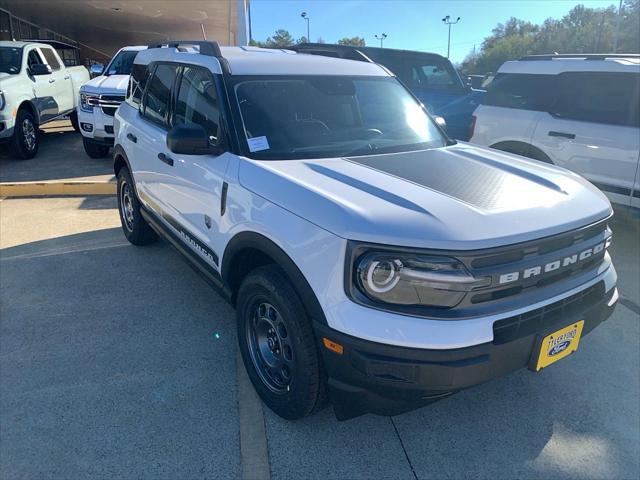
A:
{"points": [[43, 88]]}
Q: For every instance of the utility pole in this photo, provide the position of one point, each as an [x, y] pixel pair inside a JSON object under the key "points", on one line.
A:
{"points": [[306, 17], [381, 38], [615, 38], [447, 21]]}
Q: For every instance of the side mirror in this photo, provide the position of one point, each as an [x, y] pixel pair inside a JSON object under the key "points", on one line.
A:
{"points": [[190, 139], [40, 69], [96, 70], [441, 122]]}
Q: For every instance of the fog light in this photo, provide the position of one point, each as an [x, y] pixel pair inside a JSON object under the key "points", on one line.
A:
{"points": [[87, 127]]}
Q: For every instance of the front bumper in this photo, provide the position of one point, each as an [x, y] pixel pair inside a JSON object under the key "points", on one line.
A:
{"points": [[370, 377], [6, 126], [101, 126]]}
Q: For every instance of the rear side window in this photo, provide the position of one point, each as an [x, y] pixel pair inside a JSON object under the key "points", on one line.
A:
{"points": [[198, 101], [601, 97], [158, 97], [521, 91], [137, 82], [51, 58]]}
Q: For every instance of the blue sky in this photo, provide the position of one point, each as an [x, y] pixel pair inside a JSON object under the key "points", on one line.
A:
{"points": [[409, 24]]}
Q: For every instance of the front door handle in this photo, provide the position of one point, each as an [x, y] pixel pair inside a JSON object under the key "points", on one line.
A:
{"points": [[131, 137], [51, 80], [562, 134], [166, 159], [67, 77]]}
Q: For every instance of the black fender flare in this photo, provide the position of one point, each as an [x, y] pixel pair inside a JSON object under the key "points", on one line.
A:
{"points": [[524, 149], [255, 241]]}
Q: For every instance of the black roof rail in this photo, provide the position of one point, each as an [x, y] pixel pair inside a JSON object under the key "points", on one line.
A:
{"points": [[348, 52], [209, 48], [586, 56]]}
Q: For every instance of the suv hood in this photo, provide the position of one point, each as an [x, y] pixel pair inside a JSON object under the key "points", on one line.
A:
{"points": [[108, 84], [461, 197]]}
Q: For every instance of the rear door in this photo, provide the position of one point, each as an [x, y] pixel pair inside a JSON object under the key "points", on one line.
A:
{"points": [[593, 129], [60, 80], [154, 165]]}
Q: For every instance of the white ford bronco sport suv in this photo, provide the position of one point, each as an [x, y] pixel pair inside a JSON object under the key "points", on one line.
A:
{"points": [[371, 260], [580, 112], [99, 100]]}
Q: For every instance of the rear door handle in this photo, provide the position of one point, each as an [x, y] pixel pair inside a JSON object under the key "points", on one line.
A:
{"points": [[51, 80], [67, 77], [166, 159], [562, 134], [132, 137]]}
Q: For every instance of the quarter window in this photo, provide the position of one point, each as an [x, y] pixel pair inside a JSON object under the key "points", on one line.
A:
{"points": [[158, 97], [51, 58], [198, 102], [601, 97], [521, 91]]}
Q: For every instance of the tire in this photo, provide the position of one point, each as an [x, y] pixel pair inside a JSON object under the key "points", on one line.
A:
{"points": [[135, 227], [26, 139], [94, 150], [74, 121], [278, 345]]}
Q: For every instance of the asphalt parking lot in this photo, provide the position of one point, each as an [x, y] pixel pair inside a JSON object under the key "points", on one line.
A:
{"points": [[120, 362]]}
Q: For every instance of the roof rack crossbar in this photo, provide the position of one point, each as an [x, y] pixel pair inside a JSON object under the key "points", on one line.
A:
{"points": [[586, 56], [209, 48]]}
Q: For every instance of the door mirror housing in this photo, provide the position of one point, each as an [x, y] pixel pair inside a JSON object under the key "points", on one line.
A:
{"points": [[40, 69], [191, 139], [96, 70]]}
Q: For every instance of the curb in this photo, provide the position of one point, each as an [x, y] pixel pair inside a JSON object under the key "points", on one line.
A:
{"points": [[36, 189]]}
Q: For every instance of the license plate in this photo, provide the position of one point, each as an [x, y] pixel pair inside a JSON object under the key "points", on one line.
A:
{"points": [[558, 345]]}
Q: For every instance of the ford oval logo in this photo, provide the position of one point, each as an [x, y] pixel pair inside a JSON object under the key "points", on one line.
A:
{"points": [[559, 348]]}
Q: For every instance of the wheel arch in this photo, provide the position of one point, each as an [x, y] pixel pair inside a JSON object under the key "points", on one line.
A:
{"points": [[524, 149], [249, 250], [31, 108]]}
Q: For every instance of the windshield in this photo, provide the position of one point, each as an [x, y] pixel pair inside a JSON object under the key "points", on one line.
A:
{"points": [[330, 116], [122, 63], [10, 60]]}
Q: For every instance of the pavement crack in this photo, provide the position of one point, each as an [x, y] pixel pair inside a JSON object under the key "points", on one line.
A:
{"points": [[404, 449]]}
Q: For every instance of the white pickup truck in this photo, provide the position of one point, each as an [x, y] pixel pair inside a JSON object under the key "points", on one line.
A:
{"points": [[35, 88]]}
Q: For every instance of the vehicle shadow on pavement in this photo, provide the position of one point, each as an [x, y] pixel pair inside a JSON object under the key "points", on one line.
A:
{"points": [[60, 156], [115, 361]]}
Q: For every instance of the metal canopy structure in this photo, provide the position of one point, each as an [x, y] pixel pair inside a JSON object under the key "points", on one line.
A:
{"points": [[106, 25]]}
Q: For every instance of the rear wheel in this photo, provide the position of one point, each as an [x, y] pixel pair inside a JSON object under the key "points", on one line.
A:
{"points": [[135, 227], [93, 149], [25, 140], [278, 346]]}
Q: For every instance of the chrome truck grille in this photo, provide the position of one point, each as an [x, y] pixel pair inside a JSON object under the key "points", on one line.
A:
{"points": [[110, 103]]}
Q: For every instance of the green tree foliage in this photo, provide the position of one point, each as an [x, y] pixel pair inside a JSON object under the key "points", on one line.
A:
{"points": [[582, 30], [354, 41]]}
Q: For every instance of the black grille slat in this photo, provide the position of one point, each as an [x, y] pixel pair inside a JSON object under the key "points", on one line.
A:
{"points": [[537, 320], [110, 103]]}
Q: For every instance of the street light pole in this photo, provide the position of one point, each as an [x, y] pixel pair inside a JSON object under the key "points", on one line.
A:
{"points": [[306, 17], [447, 21], [381, 38]]}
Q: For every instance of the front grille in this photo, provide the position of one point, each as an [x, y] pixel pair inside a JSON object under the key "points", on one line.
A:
{"points": [[540, 319], [110, 103]]}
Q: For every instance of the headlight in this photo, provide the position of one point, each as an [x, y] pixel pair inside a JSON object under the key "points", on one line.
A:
{"points": [[2, 102], [412, 279], [88, 101]]}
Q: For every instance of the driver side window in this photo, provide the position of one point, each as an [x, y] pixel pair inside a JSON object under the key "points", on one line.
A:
{"points": [[33, 58], [197, 101]]}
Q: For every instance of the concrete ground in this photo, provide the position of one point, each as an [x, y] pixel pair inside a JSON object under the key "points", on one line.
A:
{"points": [[60, 157], [120, 362]]}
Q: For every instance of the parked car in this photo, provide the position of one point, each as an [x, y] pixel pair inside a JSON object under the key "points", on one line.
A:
{"points": [[100, 98], [580, 112], [430, 77], [370, 259], [35, 88]]}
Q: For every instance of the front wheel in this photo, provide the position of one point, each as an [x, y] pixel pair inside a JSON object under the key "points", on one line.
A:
{"points": [[25, 140], [278, 346], [94, 150]]}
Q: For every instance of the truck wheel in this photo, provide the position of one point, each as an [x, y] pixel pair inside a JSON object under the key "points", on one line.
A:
{"points": [[94, 150], [135, 227], [25, 141], [278, 345], [74, 121]]}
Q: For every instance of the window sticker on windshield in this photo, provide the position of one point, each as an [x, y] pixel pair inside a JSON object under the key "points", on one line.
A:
{"points": [[257, 144]]}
